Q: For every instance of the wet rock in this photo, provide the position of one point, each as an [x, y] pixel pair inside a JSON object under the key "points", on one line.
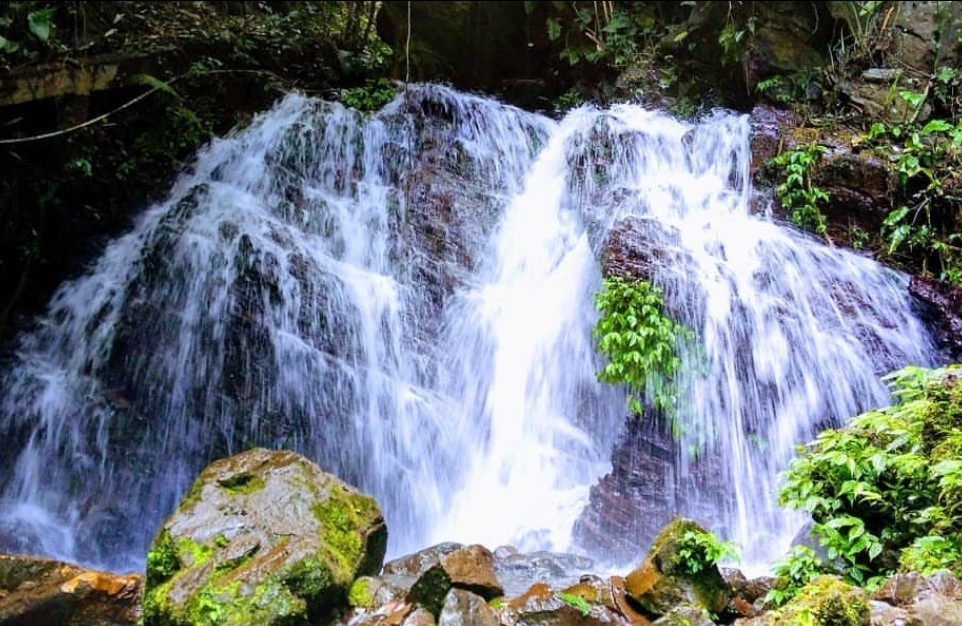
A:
{"points": [[517, 571], [465, 608], [746, 594], [943, 312], [545, 606], [629, 506], [428, 575], [768, 126], [44, 592], [263, 536], [685, 616], [662, 582]]}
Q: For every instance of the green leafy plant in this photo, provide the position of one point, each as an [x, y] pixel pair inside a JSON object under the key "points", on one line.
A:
{"points": [[576, 601], [931, 553], [887, 480], [797, 193], [369, 97], [598, 32], [922, 224], [792, 572], [26, 28], [698, 550], [639, 340], [735, 40]]}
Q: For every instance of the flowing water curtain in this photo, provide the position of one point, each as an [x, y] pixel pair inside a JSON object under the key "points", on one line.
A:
{"points": [[287, 295], [791, 335]]}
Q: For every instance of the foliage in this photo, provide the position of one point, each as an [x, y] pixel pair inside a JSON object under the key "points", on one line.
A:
{"points": [[792, 572], [598, 32], [925, 158], [370, 97], [735, 40], [698, 550], [880, 486], [26, 30], [797, 193], [576, 601], [639, 340]]}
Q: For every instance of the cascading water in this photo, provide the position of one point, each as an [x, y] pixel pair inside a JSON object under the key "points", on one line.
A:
{"points": [[407, 300]]}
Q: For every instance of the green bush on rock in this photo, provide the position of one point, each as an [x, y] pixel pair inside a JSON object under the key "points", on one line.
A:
{"points": [[885, 490]]}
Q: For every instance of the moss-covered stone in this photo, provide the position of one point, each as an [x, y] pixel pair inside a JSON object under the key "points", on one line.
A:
{"points": [[826, 601], [663, 581], [243, 483], [263, 538]]}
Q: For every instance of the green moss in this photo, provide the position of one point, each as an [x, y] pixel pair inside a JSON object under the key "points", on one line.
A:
{"points": [[430, 590], [191, 553], [309, 578], [360, 594], [229, 602], [340, 517], [192, 497], [243, 483], [826, 601], [162, 559]]}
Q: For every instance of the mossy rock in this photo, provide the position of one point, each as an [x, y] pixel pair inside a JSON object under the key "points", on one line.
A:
{"points": [[262, 538], [662, 582], [825, 601]]}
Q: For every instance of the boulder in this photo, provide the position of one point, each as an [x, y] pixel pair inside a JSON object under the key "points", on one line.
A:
{"points": [[663, 583], [825, 600], [425, 578], [42, 592], [264, 537]]}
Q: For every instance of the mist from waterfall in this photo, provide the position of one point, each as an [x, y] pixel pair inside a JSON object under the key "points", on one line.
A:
{"points": [[407, 299]]}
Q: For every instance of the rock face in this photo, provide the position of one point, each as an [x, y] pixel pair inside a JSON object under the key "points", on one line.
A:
{"points": [[944, 313], [663, 583], [44, 592], [263, 537]]}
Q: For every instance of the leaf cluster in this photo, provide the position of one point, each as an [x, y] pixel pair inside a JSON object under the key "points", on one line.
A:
{"points": [[598, 32], [369, 97], [640, 341], [885, 491], [25, 30], [925, 158], [698, 550], [792, 572], [797, 193]]}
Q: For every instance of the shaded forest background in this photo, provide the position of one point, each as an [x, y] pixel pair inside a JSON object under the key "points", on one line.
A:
{"points": [[103, 103]]}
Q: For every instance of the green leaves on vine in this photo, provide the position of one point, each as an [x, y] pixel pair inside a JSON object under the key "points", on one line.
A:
{"points": [[640, 342]]}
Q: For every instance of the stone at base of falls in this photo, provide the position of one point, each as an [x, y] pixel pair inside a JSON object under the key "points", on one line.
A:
{"points": [[425, 579], [662, 583], [42, 592], [827, 599], [263, 538]]}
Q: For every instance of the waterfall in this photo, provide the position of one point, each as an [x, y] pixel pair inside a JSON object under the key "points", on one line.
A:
{"points": [[407, 299]]}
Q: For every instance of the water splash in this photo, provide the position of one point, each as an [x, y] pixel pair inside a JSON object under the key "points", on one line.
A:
{"points": [[406, 298]]}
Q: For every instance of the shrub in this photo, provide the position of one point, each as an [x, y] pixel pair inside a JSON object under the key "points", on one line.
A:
{"points": [[879, 489]]}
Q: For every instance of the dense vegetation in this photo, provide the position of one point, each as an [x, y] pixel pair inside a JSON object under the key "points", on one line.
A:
{"points": [[884, 490]]}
